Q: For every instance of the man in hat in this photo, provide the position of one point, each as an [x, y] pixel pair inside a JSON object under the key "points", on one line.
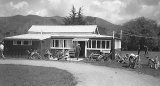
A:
{"points": [[1, 50], [78, 49]]}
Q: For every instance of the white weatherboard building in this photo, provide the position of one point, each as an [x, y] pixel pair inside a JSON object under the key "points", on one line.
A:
{"points": [[61, 37]]}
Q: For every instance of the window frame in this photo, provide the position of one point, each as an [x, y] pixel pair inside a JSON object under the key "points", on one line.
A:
{"points": [[64, 46], [22, 42], [104, 41], [29, 42]]}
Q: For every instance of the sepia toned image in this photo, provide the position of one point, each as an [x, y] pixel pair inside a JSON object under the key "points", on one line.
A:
{"points": [[79, 42]]}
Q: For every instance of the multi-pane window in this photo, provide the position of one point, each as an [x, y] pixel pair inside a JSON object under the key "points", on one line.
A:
{"points": [[62, 43], [18, 42], [22, 42], [27, 42], [99, 44]]}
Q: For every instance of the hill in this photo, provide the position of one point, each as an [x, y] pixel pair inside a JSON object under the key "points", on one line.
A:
{"points": [[19, 24], [104, 26]]}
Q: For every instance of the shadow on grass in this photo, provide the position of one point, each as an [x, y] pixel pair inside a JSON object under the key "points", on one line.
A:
{"points": [[21, 75]]}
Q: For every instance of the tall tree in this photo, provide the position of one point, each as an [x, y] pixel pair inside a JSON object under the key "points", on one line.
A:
{"points": [[80, 18], [74, 18], [137, 32]]}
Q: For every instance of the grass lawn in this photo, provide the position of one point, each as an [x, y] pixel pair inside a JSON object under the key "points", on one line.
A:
{"points": [[20, 75], [144, 69]]}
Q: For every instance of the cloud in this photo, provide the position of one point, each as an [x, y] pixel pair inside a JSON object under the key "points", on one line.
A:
{"points": [[96, 6], [10, 9], [107, 10], [19, 5], [151, 2], [139, 8], [42, 13], [132, 7]]}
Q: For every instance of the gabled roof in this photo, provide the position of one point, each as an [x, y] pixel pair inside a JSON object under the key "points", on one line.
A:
{"points": [[64, 29]]}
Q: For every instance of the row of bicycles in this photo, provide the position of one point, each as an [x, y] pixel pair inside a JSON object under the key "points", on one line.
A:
{"points": [[59, 54], [99, 57]]}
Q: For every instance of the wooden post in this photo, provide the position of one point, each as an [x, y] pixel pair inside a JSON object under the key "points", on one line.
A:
{"points": [[85, 48], [113, 47], [41, 47], [121, 39], [113, 34], [121, 35]]}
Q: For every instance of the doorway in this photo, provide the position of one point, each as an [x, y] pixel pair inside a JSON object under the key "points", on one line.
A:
{"points": [[82, 45]]}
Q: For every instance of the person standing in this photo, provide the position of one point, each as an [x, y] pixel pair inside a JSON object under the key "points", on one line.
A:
{"points": [[139, 49], [1, 50], [78, 49], [146, 49]]}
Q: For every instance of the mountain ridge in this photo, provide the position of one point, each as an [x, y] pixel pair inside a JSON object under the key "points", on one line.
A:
{"points": [[19, 24]]}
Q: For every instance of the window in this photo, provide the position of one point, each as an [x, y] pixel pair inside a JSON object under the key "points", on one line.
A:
{"points": [[67, 43], [56, 43], [107, 44], [99, 44], [61, 43], [53, 43], [27, 42], [93, 43], [103, 44], [19, 42], [22, 42]]}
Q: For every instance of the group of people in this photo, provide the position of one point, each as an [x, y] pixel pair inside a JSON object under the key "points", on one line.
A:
{"points": [[153, 63], [145, 49], [65, 55], [131, 59]]}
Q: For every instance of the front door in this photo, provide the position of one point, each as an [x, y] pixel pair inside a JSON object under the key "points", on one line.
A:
{"points": [[82, 45]]}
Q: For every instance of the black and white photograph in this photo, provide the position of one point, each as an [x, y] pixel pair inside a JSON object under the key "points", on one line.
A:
{"points": [[79, 42]]}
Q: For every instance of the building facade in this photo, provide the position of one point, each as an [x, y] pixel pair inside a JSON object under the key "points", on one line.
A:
{"points": [[61, 38]]}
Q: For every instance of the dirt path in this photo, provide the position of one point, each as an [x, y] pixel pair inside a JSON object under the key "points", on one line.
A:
{"points": [[89, 75]]}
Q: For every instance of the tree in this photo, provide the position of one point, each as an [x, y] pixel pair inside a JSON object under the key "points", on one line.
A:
{"points": [[74, 18], [80, 18], [140, 31]]}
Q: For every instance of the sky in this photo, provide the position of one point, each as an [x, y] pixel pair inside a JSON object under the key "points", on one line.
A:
{"points": [[114, 11]]}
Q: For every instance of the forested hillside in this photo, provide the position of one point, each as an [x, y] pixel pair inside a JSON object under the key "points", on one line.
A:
{"points": [[19, 24]]}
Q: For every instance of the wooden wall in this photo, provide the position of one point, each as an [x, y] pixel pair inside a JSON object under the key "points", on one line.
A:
{"points": [[19, 50]]}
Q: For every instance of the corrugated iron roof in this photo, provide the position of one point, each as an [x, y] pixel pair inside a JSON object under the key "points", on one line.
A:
{"points": [[64, 28]]}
